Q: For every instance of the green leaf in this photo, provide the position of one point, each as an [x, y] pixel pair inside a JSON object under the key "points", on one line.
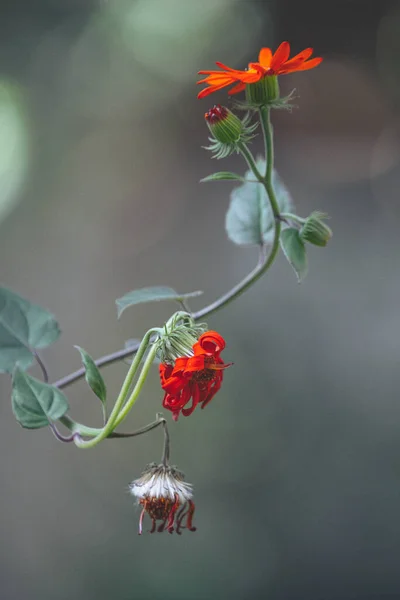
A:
{"points": [[151, 294], [222, 176], [23, 328], [295, 251], [249, 220], [93, 375], [34, 403]]}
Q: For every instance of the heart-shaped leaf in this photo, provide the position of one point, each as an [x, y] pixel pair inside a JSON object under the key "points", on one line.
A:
{"points": [[34, 403], [23, 328], [249, 220]]}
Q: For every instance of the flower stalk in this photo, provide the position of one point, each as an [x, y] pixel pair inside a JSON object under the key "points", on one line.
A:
{"points": [[187, 373]]}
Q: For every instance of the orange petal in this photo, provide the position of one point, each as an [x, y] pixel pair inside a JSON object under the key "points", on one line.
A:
{"points": [[303, 66], [237, 88], [310, 64], [301, 56], [254, 74], [213, 72], [222, 66], [281, 55], [211, 90], [215, 79], [265, 57]]}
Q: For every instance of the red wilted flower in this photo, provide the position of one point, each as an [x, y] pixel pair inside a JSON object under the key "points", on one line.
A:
{"points": [[197, 377], [269, 64]]}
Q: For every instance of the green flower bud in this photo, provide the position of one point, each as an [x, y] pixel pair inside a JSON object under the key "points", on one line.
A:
{"points": [[223, 124], [264, 92], [228, 131], [315, 231]]}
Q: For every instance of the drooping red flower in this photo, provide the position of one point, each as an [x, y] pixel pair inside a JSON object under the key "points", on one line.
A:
{"points": [[269, 64], [197, 378]]}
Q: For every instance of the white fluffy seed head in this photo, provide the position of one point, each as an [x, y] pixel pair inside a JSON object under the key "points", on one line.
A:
{"points": [[159, 481]]}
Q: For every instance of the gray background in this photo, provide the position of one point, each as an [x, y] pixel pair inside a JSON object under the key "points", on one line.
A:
{"points": [[296, 462]]}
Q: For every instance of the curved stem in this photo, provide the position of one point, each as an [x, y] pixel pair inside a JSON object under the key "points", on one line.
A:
{"points": [[79, 428], [113, 419], [138, 387], [291, 217], [251, 163], [264, 262], [41, 365], [59, 436], [159, 420]]}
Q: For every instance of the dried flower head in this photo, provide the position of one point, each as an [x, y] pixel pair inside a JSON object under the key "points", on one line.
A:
{"points": [[165, 496]]}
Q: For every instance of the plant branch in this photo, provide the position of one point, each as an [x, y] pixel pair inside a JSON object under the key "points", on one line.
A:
{"points": [[262, 267], [121, 410], [79, 429]]}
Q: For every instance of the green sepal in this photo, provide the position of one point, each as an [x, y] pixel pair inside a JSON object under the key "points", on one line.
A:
{"points": [[282, 103], [263, 92], [35, 403]]}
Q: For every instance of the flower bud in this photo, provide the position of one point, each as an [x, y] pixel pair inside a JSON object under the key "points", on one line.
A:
{"points": [[223, 124], [315, 231], [228, 131], [263, 92]]}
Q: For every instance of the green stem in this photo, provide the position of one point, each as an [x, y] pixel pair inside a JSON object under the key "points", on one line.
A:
{"points": [[265, 261], [138, 387], [292, 217], [116, 411], [251, 163], [75, 427]]}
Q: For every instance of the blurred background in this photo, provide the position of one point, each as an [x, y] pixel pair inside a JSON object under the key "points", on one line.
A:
{"points": [[296, 462]]}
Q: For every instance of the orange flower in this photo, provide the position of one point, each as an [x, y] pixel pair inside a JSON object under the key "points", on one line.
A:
{"points": [[268, 65], [197, 377]]}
